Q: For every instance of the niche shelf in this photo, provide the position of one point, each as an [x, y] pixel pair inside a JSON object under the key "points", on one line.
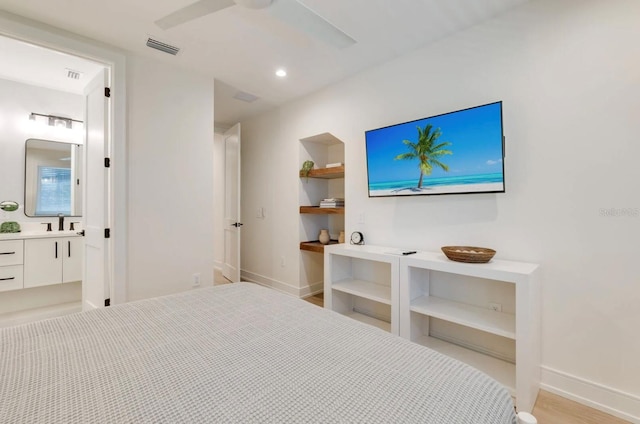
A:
{"points": [[315, 246], [325, 173], [321, 211], [320, 183]]}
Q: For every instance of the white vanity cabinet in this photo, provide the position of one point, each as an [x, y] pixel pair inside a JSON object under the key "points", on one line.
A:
{"points": [[72, 259], [11, 258], [52, 261]]}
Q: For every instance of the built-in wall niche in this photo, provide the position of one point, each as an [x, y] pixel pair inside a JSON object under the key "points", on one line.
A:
{"points": [[324, 181], [53, 178]]}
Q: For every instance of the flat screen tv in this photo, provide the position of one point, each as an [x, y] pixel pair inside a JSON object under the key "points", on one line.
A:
{"points": [[453, 153]]}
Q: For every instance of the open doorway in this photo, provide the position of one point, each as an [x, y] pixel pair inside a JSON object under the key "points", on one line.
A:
{"points": [[44, 109]]}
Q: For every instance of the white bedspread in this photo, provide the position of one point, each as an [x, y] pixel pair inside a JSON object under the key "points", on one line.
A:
{"points": [[237, 353]]}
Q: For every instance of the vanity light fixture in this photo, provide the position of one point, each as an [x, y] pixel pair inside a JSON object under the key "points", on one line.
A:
{"points": [[55, 121], [60, 123]]}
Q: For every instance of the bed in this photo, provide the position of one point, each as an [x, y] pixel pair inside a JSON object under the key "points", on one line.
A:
{"points": [[237, 353]]}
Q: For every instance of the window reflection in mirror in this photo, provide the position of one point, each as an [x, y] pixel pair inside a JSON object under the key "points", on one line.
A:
{"points": [[52, 178]]}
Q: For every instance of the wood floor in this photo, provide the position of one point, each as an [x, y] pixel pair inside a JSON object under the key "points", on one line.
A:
{"points": [[549, 408], [554, 409]]}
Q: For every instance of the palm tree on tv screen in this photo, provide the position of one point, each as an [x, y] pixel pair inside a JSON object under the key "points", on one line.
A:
{"points": [[426, 151]]}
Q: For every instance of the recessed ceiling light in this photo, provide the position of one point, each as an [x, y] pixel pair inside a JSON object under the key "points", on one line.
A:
{"points": [[281, 73]]}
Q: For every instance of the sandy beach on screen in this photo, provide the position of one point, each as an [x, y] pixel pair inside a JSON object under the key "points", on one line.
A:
{"points": [[461, 188]]}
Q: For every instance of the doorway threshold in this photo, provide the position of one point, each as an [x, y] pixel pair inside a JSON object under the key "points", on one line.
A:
{"points": [[37, 314]]}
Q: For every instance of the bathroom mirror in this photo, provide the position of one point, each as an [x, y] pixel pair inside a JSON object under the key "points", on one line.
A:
{"points": [[52, 183]]}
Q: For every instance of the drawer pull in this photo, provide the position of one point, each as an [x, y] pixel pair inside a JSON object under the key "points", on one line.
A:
{"points": [[7, 253], [9, 278]]}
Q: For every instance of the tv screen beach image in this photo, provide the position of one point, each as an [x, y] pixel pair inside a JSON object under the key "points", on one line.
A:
{"points": [[457, 152]]}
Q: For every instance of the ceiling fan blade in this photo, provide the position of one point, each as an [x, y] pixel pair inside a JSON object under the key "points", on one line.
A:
{"points": [[193, 11], [306, 20]]}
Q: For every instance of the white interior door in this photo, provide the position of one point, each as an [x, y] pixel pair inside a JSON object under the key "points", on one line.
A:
{"points": [[232, 223], [95, 279]]}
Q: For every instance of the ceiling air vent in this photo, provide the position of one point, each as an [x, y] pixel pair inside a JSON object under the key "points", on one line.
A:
{"points": [[76, 75], [245, 97], [163, 47]]}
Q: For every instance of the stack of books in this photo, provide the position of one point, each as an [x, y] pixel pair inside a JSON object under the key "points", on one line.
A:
{"points": [[334, 202]]}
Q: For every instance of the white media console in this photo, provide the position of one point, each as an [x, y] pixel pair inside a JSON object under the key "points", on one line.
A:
{"points": [[486, 315]]}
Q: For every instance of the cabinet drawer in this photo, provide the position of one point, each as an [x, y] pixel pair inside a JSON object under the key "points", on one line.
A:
{"points": [[11, 252], [10, 277]]}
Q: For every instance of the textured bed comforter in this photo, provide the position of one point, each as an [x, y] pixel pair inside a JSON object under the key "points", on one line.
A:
{"points": [[237, 353]]}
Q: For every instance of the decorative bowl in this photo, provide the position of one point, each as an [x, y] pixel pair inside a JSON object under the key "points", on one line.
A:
{"points": [[469, 254]]}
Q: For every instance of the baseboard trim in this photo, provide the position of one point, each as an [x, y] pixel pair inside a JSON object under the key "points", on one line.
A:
{"points": [[607, 399], [312, 290], [280, 286]]}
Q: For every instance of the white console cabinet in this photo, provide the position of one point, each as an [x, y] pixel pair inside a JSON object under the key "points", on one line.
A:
{"points": [[52, 261], [362, 282], [486, 315]]}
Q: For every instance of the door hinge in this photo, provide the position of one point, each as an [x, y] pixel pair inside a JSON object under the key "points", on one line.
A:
{"points": [[78, 181], [107, 163], [107, 233], [107, 302], [107, 92]]}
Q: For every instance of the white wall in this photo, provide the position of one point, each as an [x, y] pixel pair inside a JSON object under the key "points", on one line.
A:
{"points": [[569, 75], [164, 128], [170, 174], [17, 101]]}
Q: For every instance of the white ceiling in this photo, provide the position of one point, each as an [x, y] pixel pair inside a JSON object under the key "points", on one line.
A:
{"points": [[35, 65], [242, 48]]}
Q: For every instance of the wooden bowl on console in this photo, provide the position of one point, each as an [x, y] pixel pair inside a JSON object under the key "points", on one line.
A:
{"points": [[469, 254]]}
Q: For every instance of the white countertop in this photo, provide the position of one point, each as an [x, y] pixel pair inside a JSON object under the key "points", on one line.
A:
{"points": [[38, 234]]}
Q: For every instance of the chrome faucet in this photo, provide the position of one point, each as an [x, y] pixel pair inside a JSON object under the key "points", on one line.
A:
{"points": [[60, 222]]}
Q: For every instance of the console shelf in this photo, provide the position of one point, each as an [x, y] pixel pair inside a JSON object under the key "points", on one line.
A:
{"points": [[499, 323], [383, 325], [503, 371], [362, 282], [365, 289], [446, 306]]}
